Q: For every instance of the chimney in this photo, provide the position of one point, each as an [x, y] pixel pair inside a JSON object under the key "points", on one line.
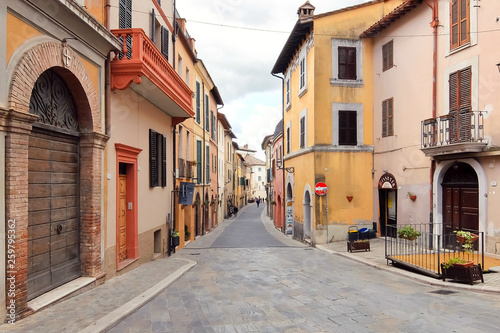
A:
{"points": [[306, 11]]}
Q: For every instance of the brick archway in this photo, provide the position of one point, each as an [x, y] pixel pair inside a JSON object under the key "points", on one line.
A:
{"points": [[17, 122], [67, 63]]}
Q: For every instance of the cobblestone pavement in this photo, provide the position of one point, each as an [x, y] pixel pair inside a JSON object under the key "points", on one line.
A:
{"points": [[289, 287]]}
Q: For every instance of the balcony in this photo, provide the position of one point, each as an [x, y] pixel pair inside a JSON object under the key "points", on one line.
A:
{"points": [[142, 67], [453, 134]]}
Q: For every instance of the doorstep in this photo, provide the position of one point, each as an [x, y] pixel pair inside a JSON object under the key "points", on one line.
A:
{"points": [[55, 295]]}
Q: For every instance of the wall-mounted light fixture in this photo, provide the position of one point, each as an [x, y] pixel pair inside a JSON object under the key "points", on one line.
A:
{"points": [[498, 67], [290, 169]]}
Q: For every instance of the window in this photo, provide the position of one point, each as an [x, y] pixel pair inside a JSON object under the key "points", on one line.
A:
{"points": [[259, 179], [188, 145], [387, 117], [347, 128], [199, 161], [153, 26], [213, 123], [207, 166], [460, 105], [181, 142], [198, 103], [459, 23], [387, 61], [187, 76], [164, 42], [157, 159], [347, 63], [288, 139], [260, 169], [288, 97], [302, 73], [125, 22], [302, 132], [207, 115]]}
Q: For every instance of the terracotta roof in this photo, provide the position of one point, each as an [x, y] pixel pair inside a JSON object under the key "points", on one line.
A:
{"points": [[251, 160], [390, 18], [297, 36]]}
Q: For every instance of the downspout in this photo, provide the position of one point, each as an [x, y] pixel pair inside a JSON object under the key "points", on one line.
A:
{"points": [[434, 25], [203, 159], [174, 37], [283, 213], [219, 199], [173, 207], [107, 78]]}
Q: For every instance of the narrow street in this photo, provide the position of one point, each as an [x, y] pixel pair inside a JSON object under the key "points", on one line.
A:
{"points": [[251, 278]]}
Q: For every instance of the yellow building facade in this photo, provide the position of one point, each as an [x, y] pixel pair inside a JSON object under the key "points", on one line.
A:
{"points": [[328, 121]]}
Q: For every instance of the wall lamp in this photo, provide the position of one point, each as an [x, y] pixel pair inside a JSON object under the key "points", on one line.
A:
{"points": [[290, 169], [498, 67]]}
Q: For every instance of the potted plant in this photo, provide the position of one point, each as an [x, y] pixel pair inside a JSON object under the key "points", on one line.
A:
{"points": [[408, 232], [467, 239], [457, 262], [412, 196], [186, 232], [175, 238], [361, 244]]}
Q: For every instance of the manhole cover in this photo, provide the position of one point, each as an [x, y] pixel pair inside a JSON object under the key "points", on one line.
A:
{"points": [[194, 254], [443, 292]]}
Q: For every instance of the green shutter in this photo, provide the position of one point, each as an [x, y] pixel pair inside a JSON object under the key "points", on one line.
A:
{"points": [[164, 161], [153, 159], [198, 103], [199, 161]]}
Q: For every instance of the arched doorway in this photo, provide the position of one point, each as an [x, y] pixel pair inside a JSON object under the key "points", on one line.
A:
{"points": [[289, 209], [460, 199], [53, 187], [307, 214], [387, 198]]}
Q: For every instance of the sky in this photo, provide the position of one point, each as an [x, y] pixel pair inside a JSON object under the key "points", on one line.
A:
{"points": [[239, 42]]}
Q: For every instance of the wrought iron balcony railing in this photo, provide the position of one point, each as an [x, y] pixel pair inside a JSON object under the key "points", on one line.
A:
{"points": [[466, 129]]}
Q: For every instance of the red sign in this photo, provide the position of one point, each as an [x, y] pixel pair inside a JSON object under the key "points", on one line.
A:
{"points": [[321, 188]]}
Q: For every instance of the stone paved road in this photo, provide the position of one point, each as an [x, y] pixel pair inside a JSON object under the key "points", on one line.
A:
{"points": [[242, 285]]}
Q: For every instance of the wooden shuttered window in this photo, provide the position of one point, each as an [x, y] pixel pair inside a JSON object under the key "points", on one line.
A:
{"points": [[347, 63], [198, 103], [348, 124], [164, 42], [459, 23], [460, 105], [153, 25], [207, 115], [207, 166], [198, 162], [388, 117], [302, 132], [157, 159], [387, 55], [288, 141], [125, 22]]}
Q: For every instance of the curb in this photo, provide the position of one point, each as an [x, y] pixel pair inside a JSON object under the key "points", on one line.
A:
{"points": [[114, 317], [416, 277]]}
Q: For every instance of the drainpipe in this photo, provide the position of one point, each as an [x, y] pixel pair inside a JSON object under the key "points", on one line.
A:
{"points": [[434, 25], [174, 37], [219, 196], [107, 79], [283, 213]]}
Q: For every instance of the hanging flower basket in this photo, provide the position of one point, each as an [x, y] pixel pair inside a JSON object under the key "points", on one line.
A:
{"points": [[463, 239]]}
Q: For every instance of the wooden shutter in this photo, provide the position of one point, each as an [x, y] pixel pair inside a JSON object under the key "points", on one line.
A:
{"points": [[212, 124], [199, 161], [460, 105], [198, 103], [387, 55], [302, 132], [153, 159], [207, 115], [390, 117], [125, 22], [153, 25], [347, 63], [347, 128], [459, 23], [207, 159], [164, 42], [164, 161], [384, 118]]}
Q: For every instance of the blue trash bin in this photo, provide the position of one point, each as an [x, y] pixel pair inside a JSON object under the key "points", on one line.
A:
{"points": [[363, 233]]}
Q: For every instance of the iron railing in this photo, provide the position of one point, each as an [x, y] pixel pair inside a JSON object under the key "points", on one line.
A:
{"points": [[426, 253], [453, 128]]}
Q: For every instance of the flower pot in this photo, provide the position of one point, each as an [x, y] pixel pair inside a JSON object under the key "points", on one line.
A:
{"points": [[467, 264], [462, 239], [413, 197]]}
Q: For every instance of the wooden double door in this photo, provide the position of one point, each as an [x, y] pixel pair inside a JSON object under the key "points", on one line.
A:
{"points": [[460, 201], [53, 210]]}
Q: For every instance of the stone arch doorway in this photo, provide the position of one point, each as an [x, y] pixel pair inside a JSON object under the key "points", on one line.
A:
{"points": [[53, 186], [307, 214], [460, 199], [387, 198]]}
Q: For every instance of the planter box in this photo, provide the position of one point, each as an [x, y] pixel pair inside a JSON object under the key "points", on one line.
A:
{"points": [[358, 246], [460, 273]]}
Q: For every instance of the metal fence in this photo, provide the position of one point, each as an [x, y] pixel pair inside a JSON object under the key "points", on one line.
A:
{"points": [[426, 253]]}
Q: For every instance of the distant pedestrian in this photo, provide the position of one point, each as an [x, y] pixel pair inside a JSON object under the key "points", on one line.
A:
{"points": [[258, 202]]}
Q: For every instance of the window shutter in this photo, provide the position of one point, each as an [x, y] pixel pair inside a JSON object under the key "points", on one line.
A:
{"points": [[454, 24], [198, 160], [464, 22], [207, 159], [198, 103], [164, 161], [207, 115], [384, 57], [347, 128], [390, 55], [302, 132], [164, 42], [212, 124], [347, 63], [153, 159], [153, 25], [384, 118], [390, 117]]}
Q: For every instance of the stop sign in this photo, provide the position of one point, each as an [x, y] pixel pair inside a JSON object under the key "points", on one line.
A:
{"points": [[321, 188]]}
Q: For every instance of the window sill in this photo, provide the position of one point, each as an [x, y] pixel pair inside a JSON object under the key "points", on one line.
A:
{"points": [[303, 92], [347, 83], [460, 48]]}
